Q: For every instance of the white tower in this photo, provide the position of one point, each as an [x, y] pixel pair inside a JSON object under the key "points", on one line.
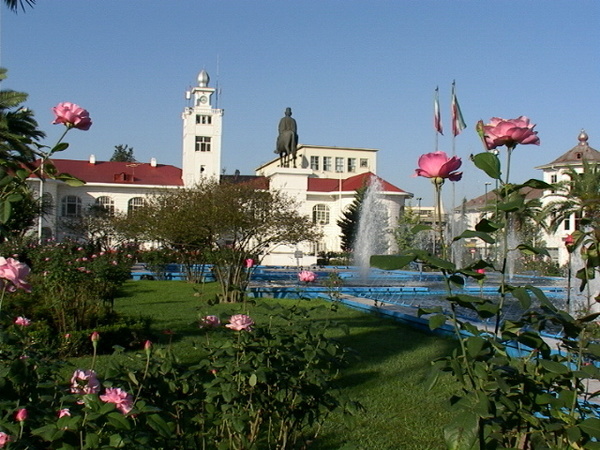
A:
{"points": [[202, 127]]}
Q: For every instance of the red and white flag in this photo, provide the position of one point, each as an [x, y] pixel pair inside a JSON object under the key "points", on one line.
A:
{"points": [[437, 119]]}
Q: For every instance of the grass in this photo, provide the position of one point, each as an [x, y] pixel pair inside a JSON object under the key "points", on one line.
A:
{"points": [[388, 378]]}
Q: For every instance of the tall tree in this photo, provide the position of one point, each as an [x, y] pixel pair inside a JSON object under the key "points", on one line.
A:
{"points": [[123, 153], [13, 5], [349, 221]]}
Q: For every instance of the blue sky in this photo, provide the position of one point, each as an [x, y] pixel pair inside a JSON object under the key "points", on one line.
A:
{"points": [[355, 74]]}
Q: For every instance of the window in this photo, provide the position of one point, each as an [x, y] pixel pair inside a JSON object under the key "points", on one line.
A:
{"points": [[71, 206], [553, 178], [321, 214], [364, 162], [327, 163], [202, 143], [339, 164], [314, 162], [567, 223], [203, 119], [107, 203], [351, 164], [134, 203]]}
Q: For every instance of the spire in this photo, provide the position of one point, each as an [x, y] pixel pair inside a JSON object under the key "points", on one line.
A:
{"points": [[583, 137]]}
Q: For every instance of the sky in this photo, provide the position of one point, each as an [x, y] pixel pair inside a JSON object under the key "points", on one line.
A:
{"points": [[355, 74]]}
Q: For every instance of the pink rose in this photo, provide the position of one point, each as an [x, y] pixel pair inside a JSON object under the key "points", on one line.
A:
{"points": [[509, 132], [122, 400], [84, 382], [65, 412], [22, 321], [4, 439], [210, 322], [15, 272], [438, 165], [72, 116], [95, 336], [21, 415], [307, 276], [480, 271], [249, 263], [240, 322]]}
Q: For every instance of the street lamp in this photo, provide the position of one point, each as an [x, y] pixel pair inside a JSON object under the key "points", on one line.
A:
{"points": [[418, 199], [487, 249]]}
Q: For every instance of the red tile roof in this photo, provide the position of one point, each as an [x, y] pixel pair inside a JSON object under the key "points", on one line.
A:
{"points": [[120, 172], [349, 184]]}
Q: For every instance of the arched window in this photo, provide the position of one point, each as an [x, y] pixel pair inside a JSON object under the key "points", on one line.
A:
{"points": [[107, 203], [321, 214], [71, 206], [134, 203]]}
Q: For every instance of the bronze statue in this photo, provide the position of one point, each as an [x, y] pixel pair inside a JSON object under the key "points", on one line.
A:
{"points": [[287, 141]]}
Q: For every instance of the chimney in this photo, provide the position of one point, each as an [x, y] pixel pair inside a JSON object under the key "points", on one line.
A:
{"points": [[92, 159], [153, 162]]}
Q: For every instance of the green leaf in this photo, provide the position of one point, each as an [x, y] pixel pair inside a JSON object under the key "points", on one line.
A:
{"points": [[536, 184], [252, 380], [119, 421], [158, 424], [462, 433], [591, 427], [436, 321], [478, 234], [92, 440], [70, 180], [522, 295], [59, 147], [489, 163], [116, 441], [474, 345], [487, 226], [420, 227], [529, 250], [5, 211], [554, 367], [391, 262]]}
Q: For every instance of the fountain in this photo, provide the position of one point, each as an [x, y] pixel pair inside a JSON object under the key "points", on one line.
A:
{"points": [[373, 234]]}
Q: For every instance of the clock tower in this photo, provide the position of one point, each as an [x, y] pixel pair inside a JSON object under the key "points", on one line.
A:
{"points": [[202, 127]]}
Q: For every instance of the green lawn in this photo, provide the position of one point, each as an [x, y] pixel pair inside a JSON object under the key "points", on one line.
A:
{"points": [[388, 377]]}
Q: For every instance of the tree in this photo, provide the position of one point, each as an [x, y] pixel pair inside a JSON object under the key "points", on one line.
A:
{"points": [[579, 197], [223, 224], [13, 5], [123, 153], [405, 238], [349, 221], [19, 134]]}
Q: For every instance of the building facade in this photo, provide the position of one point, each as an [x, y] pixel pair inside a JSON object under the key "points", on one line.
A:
{"points": [[323, 183]]}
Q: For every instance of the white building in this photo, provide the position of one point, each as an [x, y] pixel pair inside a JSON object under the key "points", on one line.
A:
{"points": [[324, 182]]}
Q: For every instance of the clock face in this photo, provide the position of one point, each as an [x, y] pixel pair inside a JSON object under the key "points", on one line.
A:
{"points": [[203, 99]]}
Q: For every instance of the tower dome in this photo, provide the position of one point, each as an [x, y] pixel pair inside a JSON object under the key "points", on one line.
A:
{"points": [[583, 138], [203, 78]]}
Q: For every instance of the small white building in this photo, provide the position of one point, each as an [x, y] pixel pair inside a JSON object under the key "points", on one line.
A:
{"points": [[555, 172], [324, 183]]}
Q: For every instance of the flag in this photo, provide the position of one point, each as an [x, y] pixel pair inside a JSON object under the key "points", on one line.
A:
{"points": [[437, 119], [458, 123]]}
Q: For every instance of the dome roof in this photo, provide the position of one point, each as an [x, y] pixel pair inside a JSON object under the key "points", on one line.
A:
{"points": [[203, 78]]}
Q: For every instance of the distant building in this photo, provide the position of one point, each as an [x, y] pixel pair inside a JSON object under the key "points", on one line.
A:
{"points": [[324, 183]]}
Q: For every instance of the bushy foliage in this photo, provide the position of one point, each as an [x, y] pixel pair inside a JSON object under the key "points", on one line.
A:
{"points": [[73, 290], [264, 387]]}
